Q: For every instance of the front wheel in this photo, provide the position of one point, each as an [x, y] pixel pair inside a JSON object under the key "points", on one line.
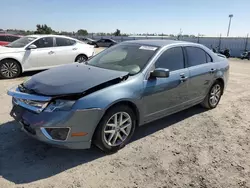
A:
{"points": [[213, 97], [9, 69], [115, 129]]}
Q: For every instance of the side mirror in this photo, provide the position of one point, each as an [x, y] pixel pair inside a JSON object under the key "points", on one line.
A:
{"points": [[32, 46], [159, 73]]}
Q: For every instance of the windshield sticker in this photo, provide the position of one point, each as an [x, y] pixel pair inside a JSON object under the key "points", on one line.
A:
{"points": [[148, 48]]}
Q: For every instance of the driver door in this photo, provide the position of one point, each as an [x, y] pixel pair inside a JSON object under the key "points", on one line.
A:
{"points": [[43, 56], [163, 96]]}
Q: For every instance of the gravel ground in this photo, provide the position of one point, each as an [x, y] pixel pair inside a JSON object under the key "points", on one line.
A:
{"points": [[193, 148]]}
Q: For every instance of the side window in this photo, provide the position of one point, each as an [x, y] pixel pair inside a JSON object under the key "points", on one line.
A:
{"points": [[45, 42], [3, 38], [64, 42], [171, 59], [12, 38], [196, 56], [209, 59], [107, 40]]}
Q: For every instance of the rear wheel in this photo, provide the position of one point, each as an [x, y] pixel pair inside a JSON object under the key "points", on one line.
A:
{"points": [[81, 58], [9, 68], [115, 129], [213, 97]]}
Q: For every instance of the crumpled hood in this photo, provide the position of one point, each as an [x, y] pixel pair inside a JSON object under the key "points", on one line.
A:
{"points": [[70, 79], [10, 50]]}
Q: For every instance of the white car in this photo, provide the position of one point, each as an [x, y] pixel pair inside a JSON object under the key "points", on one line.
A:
{"points": [[38, 52]]}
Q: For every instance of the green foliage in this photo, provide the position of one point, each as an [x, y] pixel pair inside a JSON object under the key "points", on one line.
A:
{"points": [[117, 32], [44, 29], [82, 32]]}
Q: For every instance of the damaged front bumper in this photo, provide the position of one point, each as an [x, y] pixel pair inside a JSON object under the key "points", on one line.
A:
{"points": [[62, 127]]}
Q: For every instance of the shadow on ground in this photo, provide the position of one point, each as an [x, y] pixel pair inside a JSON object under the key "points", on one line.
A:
{"points": [[24, 160]]}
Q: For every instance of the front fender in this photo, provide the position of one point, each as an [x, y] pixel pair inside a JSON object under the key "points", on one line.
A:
{"points": [[129, 90]]}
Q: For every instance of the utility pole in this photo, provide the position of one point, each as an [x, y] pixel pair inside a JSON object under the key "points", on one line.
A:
{"points": [[229, 25]]}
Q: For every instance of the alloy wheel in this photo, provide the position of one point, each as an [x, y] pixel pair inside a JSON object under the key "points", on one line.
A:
{"points": [[9, 69], [81, 59], [215, 95], [117, 129]]}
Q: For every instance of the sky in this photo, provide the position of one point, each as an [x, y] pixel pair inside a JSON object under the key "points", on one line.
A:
{"points": [[208, 17]]}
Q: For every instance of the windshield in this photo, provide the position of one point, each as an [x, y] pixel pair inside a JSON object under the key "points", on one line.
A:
{"points": [[19, 43], [131, 58]]}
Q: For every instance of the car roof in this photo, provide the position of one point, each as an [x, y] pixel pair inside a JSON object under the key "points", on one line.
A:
{"points": [[7, 34], [49, 35], [158, 43], [108, 39]]}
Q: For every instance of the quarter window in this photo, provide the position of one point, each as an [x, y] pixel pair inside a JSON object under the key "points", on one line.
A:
{"points": [[171, 59], [196, 56], [64, 42], [45, 42]]}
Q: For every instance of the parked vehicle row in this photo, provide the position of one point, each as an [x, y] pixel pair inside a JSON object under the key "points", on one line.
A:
{"points": [[245, 55], [127, 85], [99, 43], [39, 52]]}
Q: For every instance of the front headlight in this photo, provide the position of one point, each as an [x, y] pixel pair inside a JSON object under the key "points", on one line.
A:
{"points": [[37, 104], [59, 105]]}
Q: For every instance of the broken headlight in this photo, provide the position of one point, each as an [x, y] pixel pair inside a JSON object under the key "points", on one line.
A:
{"points": [[57, 105], [37, 104]]}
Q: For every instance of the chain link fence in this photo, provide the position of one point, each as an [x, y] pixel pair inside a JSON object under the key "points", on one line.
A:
{"points": [[237, 45]]}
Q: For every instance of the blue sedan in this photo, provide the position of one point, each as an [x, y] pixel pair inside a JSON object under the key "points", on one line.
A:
{"points": [[103, 100]]}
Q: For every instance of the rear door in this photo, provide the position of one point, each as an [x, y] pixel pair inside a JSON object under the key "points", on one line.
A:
{"points": [[65, 50], [201, 71]]}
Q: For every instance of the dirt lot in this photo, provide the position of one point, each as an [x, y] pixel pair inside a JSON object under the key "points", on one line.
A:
{"points": [[193, 148]]}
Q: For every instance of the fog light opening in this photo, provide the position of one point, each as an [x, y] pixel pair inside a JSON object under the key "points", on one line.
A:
{"points": [[58, 134]]}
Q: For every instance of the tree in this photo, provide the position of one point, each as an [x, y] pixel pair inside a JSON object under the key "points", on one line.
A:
{"points": [[43, 29], [117, 32], [82, 32]]}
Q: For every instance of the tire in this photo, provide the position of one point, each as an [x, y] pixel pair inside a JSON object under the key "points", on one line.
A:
{"points": [[81, 58], [210, 102], [9, 68], [115, 137]]}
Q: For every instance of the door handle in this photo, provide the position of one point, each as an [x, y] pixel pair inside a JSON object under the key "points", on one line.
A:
{"points": [[212, 70], [183, 77], [51, 52], [74, 49]]}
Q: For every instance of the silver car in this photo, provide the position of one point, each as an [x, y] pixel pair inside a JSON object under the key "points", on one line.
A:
{"points": [[121, 88]]}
